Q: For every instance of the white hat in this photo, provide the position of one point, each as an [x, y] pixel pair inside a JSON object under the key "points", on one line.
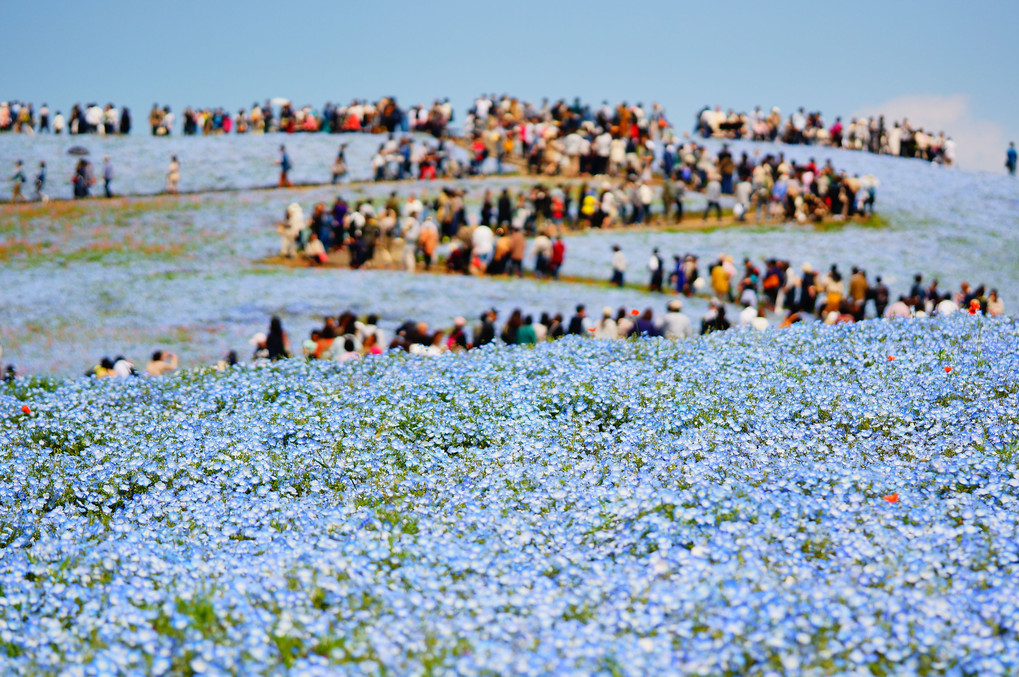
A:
{"points": [[675, 305], [606, 311], [258, 339]]}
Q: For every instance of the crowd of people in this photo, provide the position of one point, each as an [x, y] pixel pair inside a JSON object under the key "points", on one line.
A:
{"points": [[493, 239], [872, 134], [280, 115], [562, 138], [404, 158], [406, 232], [776, 290], [22, 117]]}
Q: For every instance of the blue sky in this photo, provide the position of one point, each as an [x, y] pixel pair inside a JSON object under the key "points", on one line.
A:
{"points": [[954, 62]]}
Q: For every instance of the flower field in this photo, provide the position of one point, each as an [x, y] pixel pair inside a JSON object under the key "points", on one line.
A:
{"points": [[815, 501]]}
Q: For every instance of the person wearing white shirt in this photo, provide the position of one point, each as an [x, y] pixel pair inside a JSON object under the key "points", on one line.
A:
{"points": [[674, 324], [602, 147], [618, 265], [414, 205], [411, 233], [483, 243], [481, 107], [542, 248], [606, 327]]}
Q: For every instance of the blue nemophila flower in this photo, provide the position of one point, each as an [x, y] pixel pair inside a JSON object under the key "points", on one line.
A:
{"points": [[582, 506]]}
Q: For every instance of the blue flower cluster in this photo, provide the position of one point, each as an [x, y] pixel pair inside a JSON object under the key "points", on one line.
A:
{"points": [[743, 503]]}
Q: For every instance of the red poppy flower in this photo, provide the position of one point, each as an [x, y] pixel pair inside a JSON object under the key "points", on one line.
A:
{"points": [[892, 498], [948, 370], [635, 312], [891, 357], [25, 409], [974, 307], [590, 329]]}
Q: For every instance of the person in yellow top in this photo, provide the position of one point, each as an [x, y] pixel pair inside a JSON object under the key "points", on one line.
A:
{"points": [[720, 281]]}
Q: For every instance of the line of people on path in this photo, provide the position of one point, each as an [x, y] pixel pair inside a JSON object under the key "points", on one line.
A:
{"points": [[281, 115], [776, 287], [82, 180], [22, 117], [871, 134]]}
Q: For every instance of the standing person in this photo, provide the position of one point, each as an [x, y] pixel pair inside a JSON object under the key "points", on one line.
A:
{"points": [[44, 118], [107, 176], [618, 265], [155, 118], [82, 179], [713, 194], [542, 250], [17, 181], [1010, 158], [721, 280], [277, 342], [518, 248], [881, 296], [486, 331], [557, 258], [285, 167], [657, 267], [173, 175], [411, 233], [674, 324], [340, 164], [428, 240], [289, 230], [40, 183], [579, 324]]}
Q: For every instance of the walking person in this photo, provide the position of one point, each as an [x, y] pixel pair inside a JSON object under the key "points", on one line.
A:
{"points": [[107, 176], [1010, 158], [40, 183], [285, 167], [713, 194], [17, 182], [618, 266], [173, 176]]}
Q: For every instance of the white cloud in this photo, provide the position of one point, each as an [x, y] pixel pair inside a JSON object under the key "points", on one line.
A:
{"points": [[980, 144]]}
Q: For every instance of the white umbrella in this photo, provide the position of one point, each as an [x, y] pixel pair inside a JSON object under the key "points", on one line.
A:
{"points": [[279, 101]]}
